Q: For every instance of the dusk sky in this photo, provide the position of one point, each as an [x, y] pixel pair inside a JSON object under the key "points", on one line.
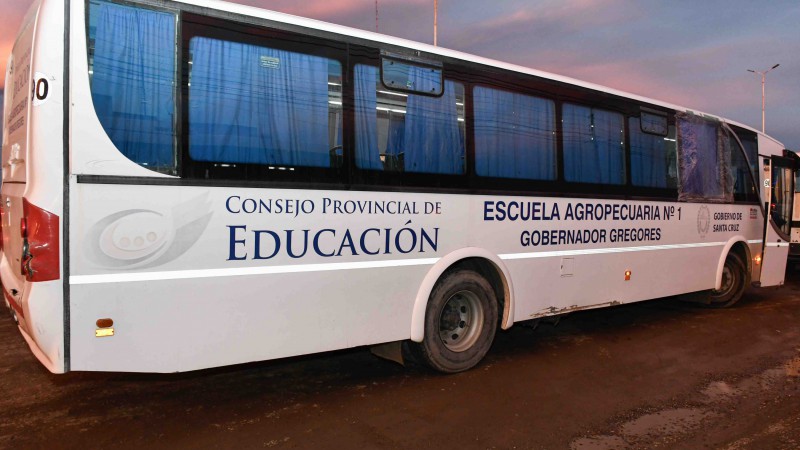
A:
{"points": [[692, 53]]}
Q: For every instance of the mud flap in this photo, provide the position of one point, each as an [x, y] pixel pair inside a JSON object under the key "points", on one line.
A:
{"points": [[392, 351]]}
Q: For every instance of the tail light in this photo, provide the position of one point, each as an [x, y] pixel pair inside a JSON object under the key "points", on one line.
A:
{"points": [[40, 243]]}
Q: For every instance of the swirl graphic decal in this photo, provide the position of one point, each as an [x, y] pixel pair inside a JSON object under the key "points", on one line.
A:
{"points": [[139, 238]]}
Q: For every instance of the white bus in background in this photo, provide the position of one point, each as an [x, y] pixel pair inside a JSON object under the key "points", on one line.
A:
{"points": [[794, 246], [191, 185]]}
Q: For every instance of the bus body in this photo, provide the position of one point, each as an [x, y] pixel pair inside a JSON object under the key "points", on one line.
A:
{"points": [[794, 246], [191, 185]]}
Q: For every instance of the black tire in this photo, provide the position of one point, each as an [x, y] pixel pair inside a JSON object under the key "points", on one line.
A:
{"points": [[460, 322], [734, 283]]}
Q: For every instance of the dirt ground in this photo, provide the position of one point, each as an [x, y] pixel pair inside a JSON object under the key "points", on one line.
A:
{"points": [[659, 374]]}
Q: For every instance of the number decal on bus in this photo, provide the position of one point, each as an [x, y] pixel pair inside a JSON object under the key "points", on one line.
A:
{"points": [[40, 89]]}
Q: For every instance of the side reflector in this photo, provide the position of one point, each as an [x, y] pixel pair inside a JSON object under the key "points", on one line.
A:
{"points": [[103, 332], [627, 275], [105, 323], [757, 260]]}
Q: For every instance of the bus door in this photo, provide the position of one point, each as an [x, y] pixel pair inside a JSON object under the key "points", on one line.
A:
{"points": [[794, 246], [778, 198]]}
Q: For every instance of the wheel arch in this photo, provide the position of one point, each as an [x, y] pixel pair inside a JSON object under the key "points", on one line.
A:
{"points": [[737, 244], [482, 261]]}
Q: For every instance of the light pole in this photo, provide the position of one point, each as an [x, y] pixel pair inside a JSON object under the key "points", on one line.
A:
{"points": [[435, 22], [763, 74]]}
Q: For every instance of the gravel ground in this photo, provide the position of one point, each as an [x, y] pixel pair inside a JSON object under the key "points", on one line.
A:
{"points": [[658, 374]]}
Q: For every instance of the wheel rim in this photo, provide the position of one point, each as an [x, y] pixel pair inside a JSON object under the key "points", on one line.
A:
{"points": [[727, 282], [461, 321]]}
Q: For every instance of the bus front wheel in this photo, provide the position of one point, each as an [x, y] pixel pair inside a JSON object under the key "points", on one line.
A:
{"points": [[460, 322], [733, 283]]}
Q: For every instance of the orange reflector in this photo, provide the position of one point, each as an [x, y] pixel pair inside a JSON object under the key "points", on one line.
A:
{"points": [[757, 260], [105, 323], [627, 275]]}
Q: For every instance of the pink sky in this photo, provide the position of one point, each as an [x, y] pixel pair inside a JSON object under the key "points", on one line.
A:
{"points": [[11, 12], [690, 53]]}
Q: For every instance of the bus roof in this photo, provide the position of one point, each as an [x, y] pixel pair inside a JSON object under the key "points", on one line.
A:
{"points": [[382, 38]]}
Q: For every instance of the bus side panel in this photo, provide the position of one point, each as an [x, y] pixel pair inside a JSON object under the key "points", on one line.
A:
{"points": [[196, 277], [618, 260], [220, 286]]}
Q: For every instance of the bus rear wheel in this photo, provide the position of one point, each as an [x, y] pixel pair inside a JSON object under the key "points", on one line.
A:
{"points": [[733, 284], [460, 322]]}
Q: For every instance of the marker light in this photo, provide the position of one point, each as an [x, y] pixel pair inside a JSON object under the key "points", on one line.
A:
{"points": [[627, 275], [757, 260], [104, 328]]}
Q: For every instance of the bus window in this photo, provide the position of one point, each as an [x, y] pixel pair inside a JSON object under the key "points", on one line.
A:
{"points": [[782, 198], [743, 188], [257, 105], [704, 160], [594, 145], [653, 157], [514, 135], [411, 77], [408, 132], [132, 73]]}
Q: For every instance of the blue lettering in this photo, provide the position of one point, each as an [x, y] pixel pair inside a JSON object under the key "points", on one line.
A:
{"points": [[289, 244], [228, 204], [427, 238], [364, 244], [501, 211], [233, 241], [276, 239], [249, 201], [347, 241], [487, 210], [398, 240], [316, 242]]}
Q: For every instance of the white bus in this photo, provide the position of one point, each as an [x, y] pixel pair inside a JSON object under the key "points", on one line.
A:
{"points": [[196, 184], [794, 246]]}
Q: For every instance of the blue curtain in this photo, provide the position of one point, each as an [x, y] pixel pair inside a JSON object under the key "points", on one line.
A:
{"points": [[424, 137], [699, 159], [367, 153], [514, 135], [433, 139], [396, 135], [257, 105], [648, 157], [593, 145], [133, 82]]}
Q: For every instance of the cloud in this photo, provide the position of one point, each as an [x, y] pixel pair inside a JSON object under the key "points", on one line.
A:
{"points": [[530, 28]]}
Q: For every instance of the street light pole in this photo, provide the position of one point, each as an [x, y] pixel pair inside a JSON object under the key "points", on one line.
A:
{"points": [[435, 22], [763, 74]]}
